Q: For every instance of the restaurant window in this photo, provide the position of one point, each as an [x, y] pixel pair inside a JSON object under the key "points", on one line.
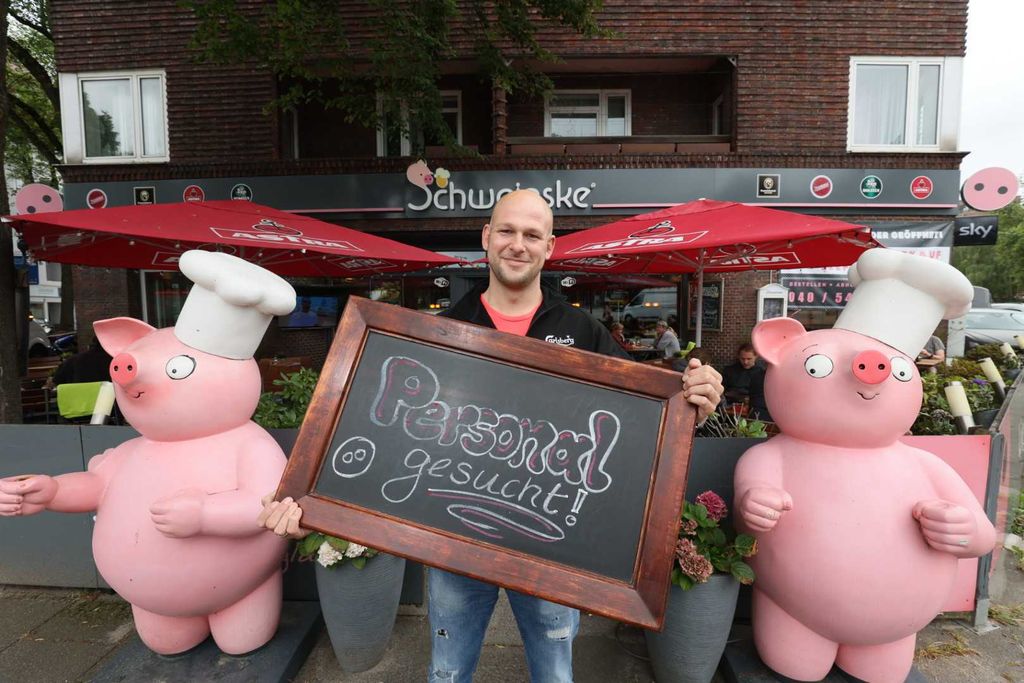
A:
{"points": [[163, 295], [587, 113], [902, 104], [112, 118], [392, 141]]}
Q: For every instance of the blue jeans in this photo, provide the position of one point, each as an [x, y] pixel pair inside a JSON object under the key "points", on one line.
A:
{"points": [[460, 609]]}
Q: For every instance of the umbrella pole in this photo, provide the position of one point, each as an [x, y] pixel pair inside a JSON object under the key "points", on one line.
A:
{"points": [[700, 296]]}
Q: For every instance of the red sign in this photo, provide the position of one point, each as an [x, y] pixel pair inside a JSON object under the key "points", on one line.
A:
{"points": [[193, 193], [821, 186], [96, 199], [921, 187]]}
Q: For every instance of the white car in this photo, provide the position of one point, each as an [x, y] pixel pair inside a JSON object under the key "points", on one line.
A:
{"points": [[992, 326], [650, 306]]}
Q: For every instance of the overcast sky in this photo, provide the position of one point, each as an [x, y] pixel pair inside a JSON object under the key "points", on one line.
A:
{"points": [[992, 120]]}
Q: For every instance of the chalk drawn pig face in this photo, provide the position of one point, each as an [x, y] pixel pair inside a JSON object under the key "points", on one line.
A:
{"points": [[837, 386], [172, 392]]}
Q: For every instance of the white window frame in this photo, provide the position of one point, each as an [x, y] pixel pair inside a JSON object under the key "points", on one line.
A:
{"points": [[948, 124], [601, 109], [73, 123], [405, 147]]}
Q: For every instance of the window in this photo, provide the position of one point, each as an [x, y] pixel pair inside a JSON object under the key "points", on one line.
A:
{"points": [[392, 142], [899, 104], [114, 117], [587, 113]]}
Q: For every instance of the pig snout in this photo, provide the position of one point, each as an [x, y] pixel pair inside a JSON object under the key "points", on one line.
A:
{"points": [[871, 367], [124, 369]]}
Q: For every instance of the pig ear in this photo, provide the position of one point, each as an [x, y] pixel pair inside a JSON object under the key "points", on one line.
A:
{"points": [[116, 334], [771, 335]]}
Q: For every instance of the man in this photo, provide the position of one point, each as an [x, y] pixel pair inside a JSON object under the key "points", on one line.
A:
{"points": [[744, 381], [518, 240], [665, 340], [303, 316], [934, 349]]}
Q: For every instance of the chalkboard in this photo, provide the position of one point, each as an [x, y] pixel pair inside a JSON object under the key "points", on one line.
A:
{"points": [[711, 318], [549, 470]]}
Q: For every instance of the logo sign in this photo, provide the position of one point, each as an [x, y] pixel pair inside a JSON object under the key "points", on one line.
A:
{"points": [[921, 187], [242, 192], [568, 281], [355, 264], [870, 186], [769, 185], [96, 198], [990, 189], [270, 225], [259, 236], [441, 282], [639, 243], [193, 193], [821, 186], [145, 195], [973, 231], [662, 228], [599, 262], [782, 259]]}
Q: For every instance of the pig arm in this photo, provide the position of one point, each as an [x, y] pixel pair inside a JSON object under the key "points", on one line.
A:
{"points": [[73, 492], [954, 522], [758, 494], [228, 513]]}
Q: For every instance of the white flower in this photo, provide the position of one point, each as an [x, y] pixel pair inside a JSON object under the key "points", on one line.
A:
{"points": [[354, 549], [327, 555]]}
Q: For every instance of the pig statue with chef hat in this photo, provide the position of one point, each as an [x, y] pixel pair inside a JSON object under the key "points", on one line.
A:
{"points": [[176, 508], [858, 533]]}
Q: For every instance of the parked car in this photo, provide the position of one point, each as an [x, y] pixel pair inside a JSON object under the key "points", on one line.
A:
{"points": [[39, 343], [651, 305], [1012, 306], [992, 326]]}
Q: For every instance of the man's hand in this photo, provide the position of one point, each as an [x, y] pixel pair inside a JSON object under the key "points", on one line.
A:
{"points": [[702, 386], [26, 494], [281, 517]]}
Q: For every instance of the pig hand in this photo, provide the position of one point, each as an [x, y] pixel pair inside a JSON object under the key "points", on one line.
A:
{"points": [[762, 507], [179, 515], [26, 495], [947, 527]]}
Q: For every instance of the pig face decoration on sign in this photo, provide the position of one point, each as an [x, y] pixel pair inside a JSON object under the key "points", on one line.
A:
{"points": [[176, 508], [859, 534]]}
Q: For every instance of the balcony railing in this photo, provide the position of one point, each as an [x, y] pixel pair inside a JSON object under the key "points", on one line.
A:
{"points": [[636, 144]]}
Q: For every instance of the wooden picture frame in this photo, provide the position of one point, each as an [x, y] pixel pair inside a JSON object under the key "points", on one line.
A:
{"points": [[635, 593]]}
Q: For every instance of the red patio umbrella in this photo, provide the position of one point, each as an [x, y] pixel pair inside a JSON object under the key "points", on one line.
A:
{"points": [[707, 236], [154, 236]]}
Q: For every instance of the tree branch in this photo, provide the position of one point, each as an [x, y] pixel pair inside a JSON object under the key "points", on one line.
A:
{"points": [[38, 28], [45, 128], [37, 71], [33, 137]]}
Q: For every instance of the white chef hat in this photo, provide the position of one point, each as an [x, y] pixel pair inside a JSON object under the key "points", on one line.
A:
{"points": [[900, 298], [231, 304]]}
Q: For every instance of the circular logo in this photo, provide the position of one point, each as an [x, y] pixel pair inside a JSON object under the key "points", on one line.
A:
{"points": [[921, 187], [241, 191], [96, 198], [990, 189], [871, 186], [568, 281], [821, 186], [193, 193], [657, 229]]}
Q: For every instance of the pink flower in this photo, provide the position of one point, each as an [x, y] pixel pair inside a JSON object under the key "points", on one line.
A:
{"points": [[714, 504], [689, 527], [693, 564]]}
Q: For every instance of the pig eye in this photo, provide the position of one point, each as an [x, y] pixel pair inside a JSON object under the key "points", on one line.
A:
{"points": [[818, 365], [901, 369], [180, 367]]}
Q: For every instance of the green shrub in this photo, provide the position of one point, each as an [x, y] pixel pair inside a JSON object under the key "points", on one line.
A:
{"points": [[286, 407]]}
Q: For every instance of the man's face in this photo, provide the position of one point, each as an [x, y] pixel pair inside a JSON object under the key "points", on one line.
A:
{"points": [[519, 239], [747, 359]]}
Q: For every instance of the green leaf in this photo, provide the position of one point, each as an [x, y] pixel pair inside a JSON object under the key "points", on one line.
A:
{"points": [[745, 545], [309, 545], [359, 562], [339, 544], [743, 572]]}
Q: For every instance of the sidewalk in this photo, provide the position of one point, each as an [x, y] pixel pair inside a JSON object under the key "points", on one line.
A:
{"points": [[55, 635]]}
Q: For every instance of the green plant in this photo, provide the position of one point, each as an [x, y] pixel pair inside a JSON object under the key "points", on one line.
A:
{"points": [[704, 547], [995, 352], [286, 407], [935, 416], [331, 551], [1017, 517], [723, 424]]}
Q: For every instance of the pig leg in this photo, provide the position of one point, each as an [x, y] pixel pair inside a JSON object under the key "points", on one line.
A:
{"points": [[250, 622], [887, 663], [787, 646], [169, 635]]}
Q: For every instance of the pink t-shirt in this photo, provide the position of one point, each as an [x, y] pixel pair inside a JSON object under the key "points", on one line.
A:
{"points": [[519, 324]]}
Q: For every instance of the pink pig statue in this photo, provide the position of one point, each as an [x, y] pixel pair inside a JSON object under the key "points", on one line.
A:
{"points": [[858, 534], [176, 508]]}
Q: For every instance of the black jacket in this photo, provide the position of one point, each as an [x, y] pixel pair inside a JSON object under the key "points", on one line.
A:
{"points": [[556, 321]]}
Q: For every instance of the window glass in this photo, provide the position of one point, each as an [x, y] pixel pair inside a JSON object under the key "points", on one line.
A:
{"points": [[567, 100], [52, 271], [108, 118], [928, 105], [573, 124], [616, 124], [165, 293], [880, 109], [153, 143]]}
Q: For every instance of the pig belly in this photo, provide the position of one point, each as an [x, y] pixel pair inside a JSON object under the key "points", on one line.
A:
{"points": [[849, 560], [181, 576]]}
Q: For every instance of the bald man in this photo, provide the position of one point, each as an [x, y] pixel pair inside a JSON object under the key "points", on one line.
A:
{"points": [[518, 240]]}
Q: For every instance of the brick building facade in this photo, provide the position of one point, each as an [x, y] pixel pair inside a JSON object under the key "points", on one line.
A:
{"points": [[702, 97]]}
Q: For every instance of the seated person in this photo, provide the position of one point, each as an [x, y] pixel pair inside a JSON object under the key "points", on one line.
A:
{"points": [[934, 349], [618, 334], [665, 340], [744, 377]]}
